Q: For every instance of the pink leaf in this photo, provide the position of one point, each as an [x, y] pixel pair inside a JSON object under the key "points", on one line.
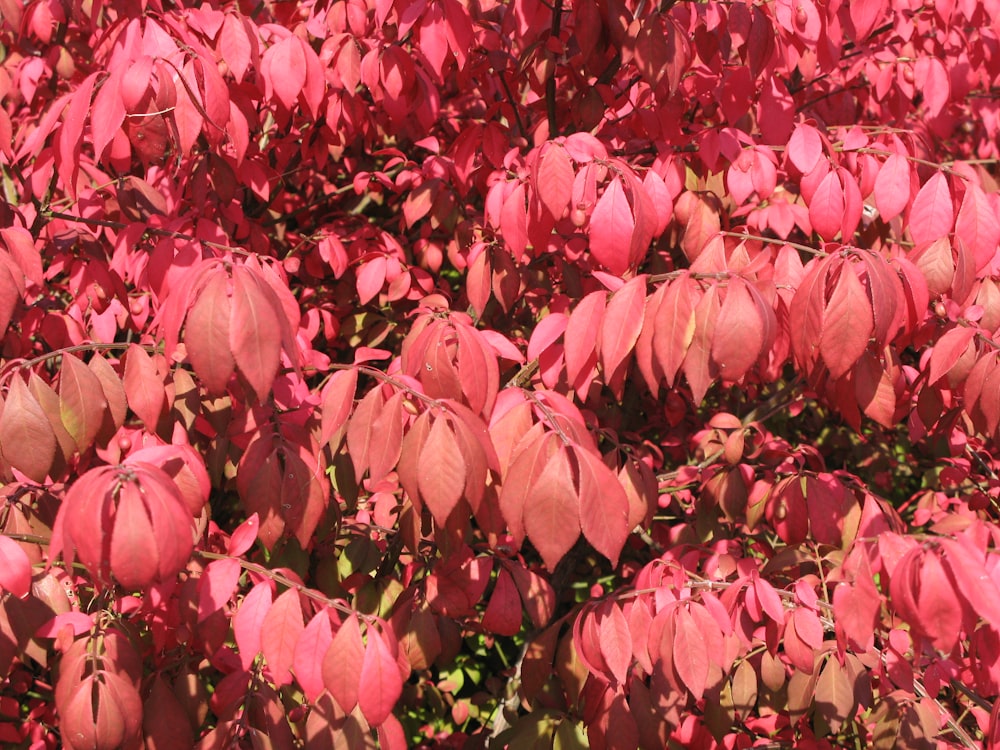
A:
{"points": [[739, 332], [442, 473], [312, 646], [254, 333], [555, 180], [286, 70], [604, 506], [342, 664], [249, 619], [552, 514], [244, 536], [616, 642], [143, 386], [280, 633], [932, 213], [892, 187], [805, 147], [690, 654], [381, 684], [621, 324], [15, 568], [611, 227], [826, 208], [847, 323], [216, 586]]}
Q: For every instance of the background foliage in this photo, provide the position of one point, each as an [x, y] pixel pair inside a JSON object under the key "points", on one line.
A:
{"points": [[598, 373]]}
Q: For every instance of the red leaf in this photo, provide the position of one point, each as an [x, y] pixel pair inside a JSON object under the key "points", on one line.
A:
{"points": [[580, 343], [697, 364], [235, 45], [343, 662], [81, 402], [386, 438], [254, 333], [826, 207], [604, 506], [108, 112], [381, 684], [15, 567], [371, 278], [503, 614], [279, 635], [537, 594], [552, 515], [874, 390], [611, 227], [966, 564], [674, 326], [615, 642], [114, 395], [621, 324], [808, 627], [249, 619], [848, 323], [947, 350], [932, 213], [931, 78], [27, 440], [244, 536], [207, 335], [527, 462], [165, 722], [143, 386], [442, 471], [978, 226], [805, 147], [856, 607], [739, 332], [546, 332], [892, 187], [216, 586], [554, 180], [690, 654], [313, 644], [133, 560], [285, 66]]}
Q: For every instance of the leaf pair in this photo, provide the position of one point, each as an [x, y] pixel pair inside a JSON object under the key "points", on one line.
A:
{"points": [[130, 522], [41, 430], [553, 490], [236, 321]]}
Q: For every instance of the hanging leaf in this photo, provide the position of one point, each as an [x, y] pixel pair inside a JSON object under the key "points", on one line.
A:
{"points": [[254, 333], [81, 402], [143, 386], [442, 471], [604, 507], [380, 684], [279, 635], [207, 335], [932, 213], [248, 621], [611, 227], [552, 514], [554, 180], [27, 440], [848, 323]]}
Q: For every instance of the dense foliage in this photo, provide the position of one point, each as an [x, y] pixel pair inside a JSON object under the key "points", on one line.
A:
{"points": [[584, 373]]}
